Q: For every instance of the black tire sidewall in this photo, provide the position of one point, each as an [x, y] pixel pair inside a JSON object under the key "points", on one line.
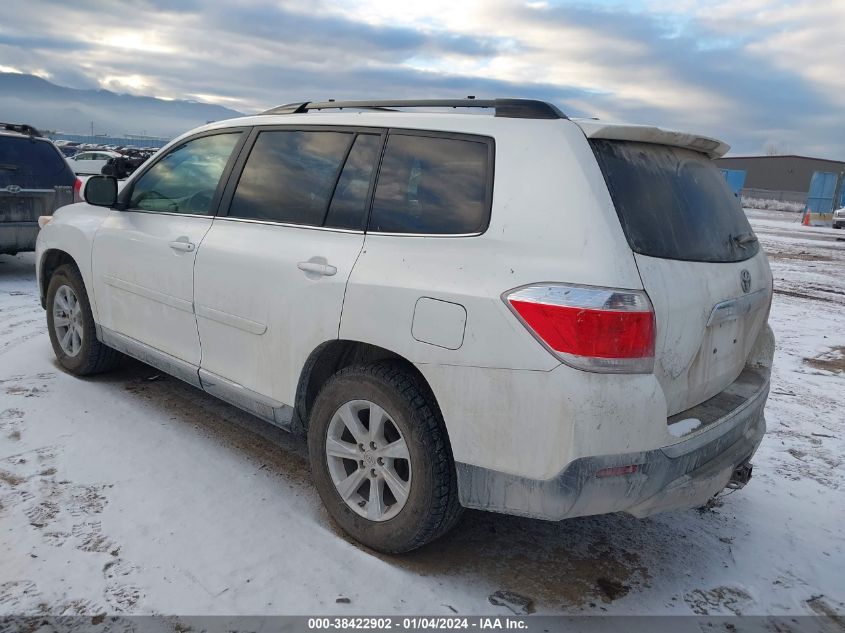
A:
{"points": [[69, 276], [402, 531]]}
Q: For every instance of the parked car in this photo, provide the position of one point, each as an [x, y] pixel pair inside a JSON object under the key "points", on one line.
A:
{"points": [[34, 181], [522, 312], [91, 162], [839, 218], [68, 151]]}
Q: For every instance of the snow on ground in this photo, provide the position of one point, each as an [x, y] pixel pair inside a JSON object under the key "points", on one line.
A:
{"points": [[135, 493]]}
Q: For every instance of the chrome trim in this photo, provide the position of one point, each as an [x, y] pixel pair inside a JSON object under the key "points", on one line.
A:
{"points": [[149, 293], [740, 306], [207, 216], [232, 320], [141, 351], [287, 224], [336, 230], [374, 233], [16, 189], [267, 409]]}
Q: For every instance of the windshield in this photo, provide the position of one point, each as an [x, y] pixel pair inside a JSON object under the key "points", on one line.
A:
{"points": [[674, 203]]}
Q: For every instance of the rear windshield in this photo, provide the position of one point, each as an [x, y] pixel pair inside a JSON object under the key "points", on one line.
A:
{"points": [[674, 203], [32, 163]]}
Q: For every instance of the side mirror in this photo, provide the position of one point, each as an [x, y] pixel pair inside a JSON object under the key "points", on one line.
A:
{"points": [[101, 191]]}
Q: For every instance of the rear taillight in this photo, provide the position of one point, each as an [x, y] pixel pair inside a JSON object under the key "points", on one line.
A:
{"points": [[595, 329], [77, 190]]}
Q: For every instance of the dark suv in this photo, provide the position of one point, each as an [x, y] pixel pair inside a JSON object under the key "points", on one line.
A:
{"points": [[35, 180]]}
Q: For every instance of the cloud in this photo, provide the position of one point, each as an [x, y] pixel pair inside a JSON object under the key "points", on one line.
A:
{"points": [[751, 73]]}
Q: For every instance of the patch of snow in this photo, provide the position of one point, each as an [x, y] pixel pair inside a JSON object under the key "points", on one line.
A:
{"points": [[682, 427]]}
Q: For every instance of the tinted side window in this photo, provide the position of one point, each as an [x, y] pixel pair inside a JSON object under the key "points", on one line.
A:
{"points": [[432, 185], [186, 179], [289, 176], [349, 203]]}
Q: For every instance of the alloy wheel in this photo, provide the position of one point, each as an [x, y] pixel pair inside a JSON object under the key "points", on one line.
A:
{"points": [[368, 460]]}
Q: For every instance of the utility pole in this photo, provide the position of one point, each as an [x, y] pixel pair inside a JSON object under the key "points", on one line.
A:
{"points": [[92, 129]]}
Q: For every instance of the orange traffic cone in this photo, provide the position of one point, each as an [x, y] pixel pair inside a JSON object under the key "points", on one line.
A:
{"points": [[806, 220]]}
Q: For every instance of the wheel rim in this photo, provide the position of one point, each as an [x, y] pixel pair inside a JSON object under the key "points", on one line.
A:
{"points": [[67, 320], [368, 460]]}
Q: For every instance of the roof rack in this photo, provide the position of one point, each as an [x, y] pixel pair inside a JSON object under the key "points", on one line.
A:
{"points": [[508, 108], [21, 128]]}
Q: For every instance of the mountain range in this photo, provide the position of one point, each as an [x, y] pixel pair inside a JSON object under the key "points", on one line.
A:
{"points": [[36, 101]]}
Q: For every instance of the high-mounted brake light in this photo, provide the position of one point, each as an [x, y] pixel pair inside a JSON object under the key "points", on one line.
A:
{"points": [[595, 329]]}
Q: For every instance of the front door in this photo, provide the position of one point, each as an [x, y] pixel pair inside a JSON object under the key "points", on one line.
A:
{"points": [[143, 256]]}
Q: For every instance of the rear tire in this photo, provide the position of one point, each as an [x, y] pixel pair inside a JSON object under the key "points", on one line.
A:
{"points": [[70, 324], [426, 504]]}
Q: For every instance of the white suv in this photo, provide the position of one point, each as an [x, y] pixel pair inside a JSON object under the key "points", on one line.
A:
{"points": [[516, 312]]}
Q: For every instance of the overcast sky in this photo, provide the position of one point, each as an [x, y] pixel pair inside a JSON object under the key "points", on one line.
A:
{"points": [[752, 72]]}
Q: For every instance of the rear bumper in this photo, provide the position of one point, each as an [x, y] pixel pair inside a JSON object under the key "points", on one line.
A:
{"points": [[16, 237], [682, 475]]}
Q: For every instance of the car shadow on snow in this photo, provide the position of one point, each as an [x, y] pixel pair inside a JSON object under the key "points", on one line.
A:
{"points": [[578, 565]]}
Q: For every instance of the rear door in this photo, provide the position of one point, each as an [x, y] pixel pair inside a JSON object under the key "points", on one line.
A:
{"points": [[699, 261], [143, 255], [272, 271]]}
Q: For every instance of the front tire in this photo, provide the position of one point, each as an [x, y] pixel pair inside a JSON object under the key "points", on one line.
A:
{"points": [[381, 459], [70, 324]]}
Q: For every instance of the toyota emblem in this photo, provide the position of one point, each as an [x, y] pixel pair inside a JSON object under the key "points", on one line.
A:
{"points": [[745, 278]]}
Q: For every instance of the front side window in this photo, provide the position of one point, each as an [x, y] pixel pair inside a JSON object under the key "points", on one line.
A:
{"points": [[290, 175], [186, 179], [432, 185]]}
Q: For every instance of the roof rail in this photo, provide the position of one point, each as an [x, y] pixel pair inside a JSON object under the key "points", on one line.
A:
{"points": [[20, 128], [508, 108]]}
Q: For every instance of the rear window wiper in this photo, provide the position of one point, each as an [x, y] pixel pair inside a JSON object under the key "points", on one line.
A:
{"points": [[8, 167], [744, 238]]}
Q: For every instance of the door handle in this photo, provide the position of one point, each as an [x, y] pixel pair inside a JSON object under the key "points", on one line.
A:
{"points": [[326, 270], [184, 246]]}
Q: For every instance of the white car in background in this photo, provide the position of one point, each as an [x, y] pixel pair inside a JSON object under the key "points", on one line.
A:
{"points": [[839, 218], [91, 162]]}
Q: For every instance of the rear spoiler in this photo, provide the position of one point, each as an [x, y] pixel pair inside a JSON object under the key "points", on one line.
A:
{"points": [[592, 128]]}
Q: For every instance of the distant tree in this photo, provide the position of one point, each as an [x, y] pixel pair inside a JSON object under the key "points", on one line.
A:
{"points": [[775, 149]]}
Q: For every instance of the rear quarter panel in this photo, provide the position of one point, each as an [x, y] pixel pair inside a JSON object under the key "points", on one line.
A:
{"points": [[552, 220]]}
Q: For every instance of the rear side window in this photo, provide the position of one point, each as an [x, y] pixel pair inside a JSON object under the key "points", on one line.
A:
{"points": [[351, 196], [290, 176], [674, 203], [32, 163], [433, 185]]}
